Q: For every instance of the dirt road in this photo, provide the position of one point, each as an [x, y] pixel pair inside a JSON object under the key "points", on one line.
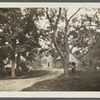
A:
{"points": [[20, 84]]}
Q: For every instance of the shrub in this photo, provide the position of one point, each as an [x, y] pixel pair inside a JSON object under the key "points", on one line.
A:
{"points": [[24, 68], [6, 71]]}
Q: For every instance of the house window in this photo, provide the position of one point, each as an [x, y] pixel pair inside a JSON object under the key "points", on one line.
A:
{"points": [[44, 61]]}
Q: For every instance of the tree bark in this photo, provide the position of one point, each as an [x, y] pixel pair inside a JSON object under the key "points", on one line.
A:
{"points": [[66, 60], [2, 68], [64, 55], [66, 46], [18, 62], [13, 64]]}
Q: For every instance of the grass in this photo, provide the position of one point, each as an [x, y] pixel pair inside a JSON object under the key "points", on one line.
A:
{"points": [[79, 81], [36, 73], [31, 74]]}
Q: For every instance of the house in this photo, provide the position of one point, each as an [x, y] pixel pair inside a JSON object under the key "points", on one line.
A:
{"points": [[42, 61], [36, 64], [72, 58], [91, 58], [47, 61], [8, 65], [58, 62]]}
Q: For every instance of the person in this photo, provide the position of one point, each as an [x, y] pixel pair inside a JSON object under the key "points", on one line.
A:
{"points": [[73, 67], [83, 64]]}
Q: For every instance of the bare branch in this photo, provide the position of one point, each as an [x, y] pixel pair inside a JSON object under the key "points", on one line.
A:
{"points": [[66, 20], [58, 49], [74, 14], [58, 17], [48, 16], [54, 31], [3, 16], [55, 41]]}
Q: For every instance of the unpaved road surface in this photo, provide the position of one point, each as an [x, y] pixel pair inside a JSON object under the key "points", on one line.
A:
{"points": [[20, 84]]}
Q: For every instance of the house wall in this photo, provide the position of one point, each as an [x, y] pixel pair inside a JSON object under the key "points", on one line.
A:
{"points": [[47, 61], [92, 55], [36, 64], [59, 64], [85, 59], [71, 59], [88, 58]]}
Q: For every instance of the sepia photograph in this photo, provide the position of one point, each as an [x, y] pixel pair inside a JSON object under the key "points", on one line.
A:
{"points": [[50, 47]]}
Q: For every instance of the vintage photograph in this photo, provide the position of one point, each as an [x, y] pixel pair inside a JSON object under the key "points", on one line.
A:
{"points": [[50, 48]]}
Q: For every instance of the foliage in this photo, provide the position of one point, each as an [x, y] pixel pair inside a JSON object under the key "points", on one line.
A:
{"points": [[20, 31], [24, 68]]}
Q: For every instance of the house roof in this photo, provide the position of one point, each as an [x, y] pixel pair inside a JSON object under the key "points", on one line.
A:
{"points": [[92, 50], [58, 58], [77, 56]]}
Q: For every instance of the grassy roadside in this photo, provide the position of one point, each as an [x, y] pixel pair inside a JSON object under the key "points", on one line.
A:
{"points": [[31, 74], [79, 81]]}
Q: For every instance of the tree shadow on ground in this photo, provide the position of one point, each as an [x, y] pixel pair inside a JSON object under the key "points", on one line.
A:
{"points": [[79, 81]]}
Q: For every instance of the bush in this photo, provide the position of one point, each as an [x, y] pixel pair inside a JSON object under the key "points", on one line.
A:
{"points": [[6, 71], [97, 64], [24, 68]]}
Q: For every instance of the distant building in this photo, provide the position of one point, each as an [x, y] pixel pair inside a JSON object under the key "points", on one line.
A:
{"points": [[47, 61], [37, 62], [8, 65], [91, 57], [72, 58], [58, 62]]}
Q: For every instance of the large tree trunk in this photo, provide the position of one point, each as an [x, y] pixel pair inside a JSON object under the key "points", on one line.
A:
{"points": [[1, 71], [13, 64], [18, 62], [65, 67], [66, 46], [66, 61], [1, 68]]}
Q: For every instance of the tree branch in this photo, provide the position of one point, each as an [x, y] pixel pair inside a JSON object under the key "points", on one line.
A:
{"points": [[58, 17], [57, 47], [70, 50], [3, 17], [74, 14], [48, 16], [66, 20], [55, 29], [55, 41]]}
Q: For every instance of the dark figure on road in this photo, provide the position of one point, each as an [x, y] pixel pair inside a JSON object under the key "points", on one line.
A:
{"points": [[73, 67]]}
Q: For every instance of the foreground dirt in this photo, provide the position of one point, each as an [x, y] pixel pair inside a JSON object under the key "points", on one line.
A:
{"points": [[20, 84]]}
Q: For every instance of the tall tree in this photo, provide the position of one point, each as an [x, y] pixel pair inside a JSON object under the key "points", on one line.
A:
{"points": [[22, 33], [74, 33]]}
